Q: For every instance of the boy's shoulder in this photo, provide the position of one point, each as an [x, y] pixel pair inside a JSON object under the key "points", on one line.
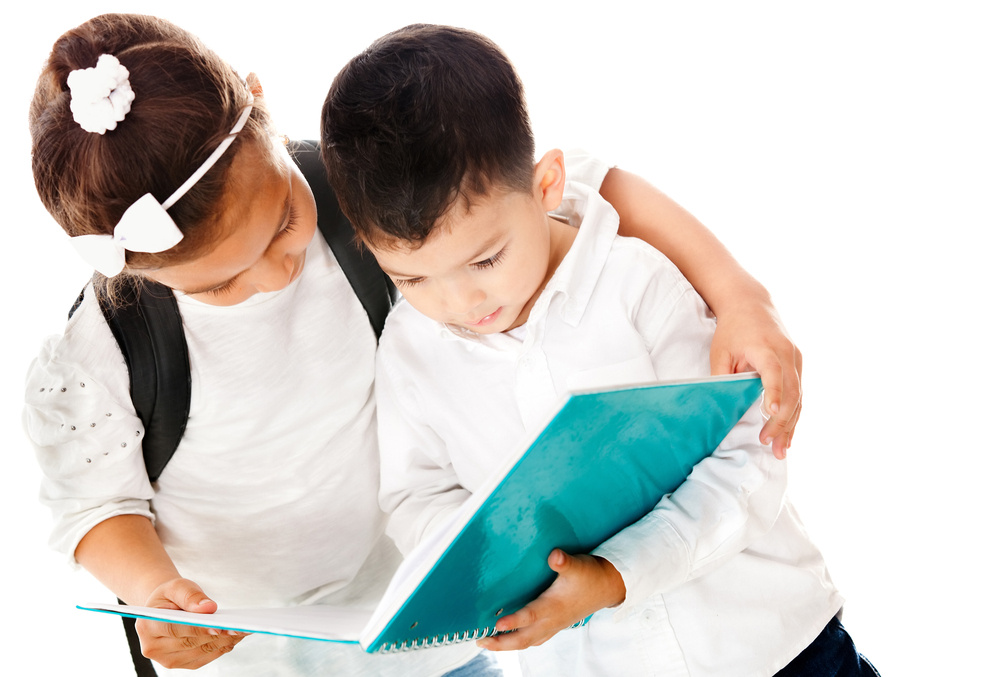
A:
{"points": [[410, 336], [626, 263], [639, 275]]}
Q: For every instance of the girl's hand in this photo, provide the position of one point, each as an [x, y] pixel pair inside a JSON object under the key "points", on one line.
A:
{"points": [[753, 339], [585, 584], [749, 335], [183, 646]]}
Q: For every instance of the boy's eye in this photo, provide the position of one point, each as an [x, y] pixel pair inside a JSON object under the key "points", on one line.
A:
{"points": [[485, 263], [492, 261]]}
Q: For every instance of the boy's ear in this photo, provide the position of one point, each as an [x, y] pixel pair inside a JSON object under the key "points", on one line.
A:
{"points": [[253, 82], [550, 179]]}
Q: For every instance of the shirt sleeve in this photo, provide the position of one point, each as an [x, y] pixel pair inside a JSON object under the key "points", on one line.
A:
{"points": [[419, 487], [729, 499], [86, 436]]}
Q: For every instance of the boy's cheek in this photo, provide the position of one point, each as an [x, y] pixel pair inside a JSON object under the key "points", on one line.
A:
{"points": [[422, 305]]}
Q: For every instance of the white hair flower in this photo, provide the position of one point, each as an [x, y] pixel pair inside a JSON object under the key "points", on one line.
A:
{"points": [[100, 96]]}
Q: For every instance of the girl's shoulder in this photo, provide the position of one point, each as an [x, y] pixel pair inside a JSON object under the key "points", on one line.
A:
{"points": [[84, 356]]}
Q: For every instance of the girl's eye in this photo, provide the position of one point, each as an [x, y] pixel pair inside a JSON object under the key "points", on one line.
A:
{"points": [[411, 282], [224, 289], [290, 226], [492, 261]]}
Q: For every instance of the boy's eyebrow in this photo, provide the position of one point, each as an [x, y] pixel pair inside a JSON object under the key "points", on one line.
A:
{"points": [[487, 246], [285, 212], [478, 256]]}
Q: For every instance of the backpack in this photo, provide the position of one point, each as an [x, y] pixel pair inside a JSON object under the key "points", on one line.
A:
{"points": [[146, 323]]}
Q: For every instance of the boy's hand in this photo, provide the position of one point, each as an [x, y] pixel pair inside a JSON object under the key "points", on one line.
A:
{"points": [[183, 646], [753, 340], [585, 584]]}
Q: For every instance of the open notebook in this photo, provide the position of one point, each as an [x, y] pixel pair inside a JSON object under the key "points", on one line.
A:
{"points": [[603, 460]]}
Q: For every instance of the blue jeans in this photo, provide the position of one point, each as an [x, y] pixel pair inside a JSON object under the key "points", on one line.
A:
{"points": [[483, 665], [832, 654]]}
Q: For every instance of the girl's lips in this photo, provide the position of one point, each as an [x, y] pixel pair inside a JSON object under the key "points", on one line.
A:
{"points": [[299, 267], [484, 321]]}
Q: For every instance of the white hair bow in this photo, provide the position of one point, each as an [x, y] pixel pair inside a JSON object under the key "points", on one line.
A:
{"points": [[100, 96], [146, 226]]}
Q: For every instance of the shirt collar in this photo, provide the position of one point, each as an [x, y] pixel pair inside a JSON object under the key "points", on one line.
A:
{"points": [[577, 275]]}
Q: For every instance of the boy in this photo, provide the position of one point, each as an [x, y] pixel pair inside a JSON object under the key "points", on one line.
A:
{"points": [[429, 148]]}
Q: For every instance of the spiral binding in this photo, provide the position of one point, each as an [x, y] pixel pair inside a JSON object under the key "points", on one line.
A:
{"points": [[445, 640], [437, 640]]}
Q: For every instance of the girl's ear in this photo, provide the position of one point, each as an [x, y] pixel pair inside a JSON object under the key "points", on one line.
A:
{"points": [[253, 82], [550, 179]]}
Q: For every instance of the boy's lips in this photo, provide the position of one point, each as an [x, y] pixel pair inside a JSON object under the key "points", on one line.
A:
{"points": [[487, 320]]}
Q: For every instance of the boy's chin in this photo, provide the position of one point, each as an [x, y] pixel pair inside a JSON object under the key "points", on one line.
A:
{"points": [[464, 328]]}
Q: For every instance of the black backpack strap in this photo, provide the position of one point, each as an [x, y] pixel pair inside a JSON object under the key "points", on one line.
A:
{"points": [[375, 291], [143, 666], [147, 325]]}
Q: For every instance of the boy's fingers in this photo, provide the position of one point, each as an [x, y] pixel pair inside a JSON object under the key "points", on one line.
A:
{"points": [[559, 561], [782, 401], [515, 641], [508, 642], [773, 377], [721, 361], [519, 619], [780, 433]]}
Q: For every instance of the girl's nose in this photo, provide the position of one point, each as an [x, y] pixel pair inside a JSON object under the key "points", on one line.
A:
{"points": [[274, 273]]}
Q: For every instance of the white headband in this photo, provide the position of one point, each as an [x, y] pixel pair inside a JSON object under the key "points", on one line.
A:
{"points": [[145, 226]]}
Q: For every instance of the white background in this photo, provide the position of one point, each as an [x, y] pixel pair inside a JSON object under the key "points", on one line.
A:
{"points": [[848, 155]]}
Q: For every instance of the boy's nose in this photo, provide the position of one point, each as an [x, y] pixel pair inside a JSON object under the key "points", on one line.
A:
{"points": [[462, 300]]}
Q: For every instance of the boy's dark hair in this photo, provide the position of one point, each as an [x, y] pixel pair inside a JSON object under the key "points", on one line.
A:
{"points": [[425, 116]]}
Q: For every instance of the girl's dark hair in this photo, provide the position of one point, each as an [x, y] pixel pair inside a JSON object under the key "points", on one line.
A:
{"points": [[425, 116], [186, 101]]}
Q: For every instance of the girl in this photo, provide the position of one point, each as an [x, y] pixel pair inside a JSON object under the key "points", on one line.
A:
{"points": [[161, 164]]}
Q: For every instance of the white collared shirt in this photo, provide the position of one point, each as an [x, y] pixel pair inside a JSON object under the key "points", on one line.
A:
{"points": [[721, 578]]}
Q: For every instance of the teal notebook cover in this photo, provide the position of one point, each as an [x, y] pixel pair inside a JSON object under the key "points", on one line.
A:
{"points": [[602, 462]]}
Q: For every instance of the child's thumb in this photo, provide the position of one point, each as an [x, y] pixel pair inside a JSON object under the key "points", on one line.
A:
{"points": [[188, 596], [559, 561]]}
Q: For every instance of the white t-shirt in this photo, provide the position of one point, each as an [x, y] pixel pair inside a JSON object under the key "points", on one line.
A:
{"points": [[720, 577], [270, 499]]}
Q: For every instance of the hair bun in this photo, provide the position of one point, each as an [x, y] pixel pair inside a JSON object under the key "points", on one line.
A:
{"points": [[100, 97]]}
